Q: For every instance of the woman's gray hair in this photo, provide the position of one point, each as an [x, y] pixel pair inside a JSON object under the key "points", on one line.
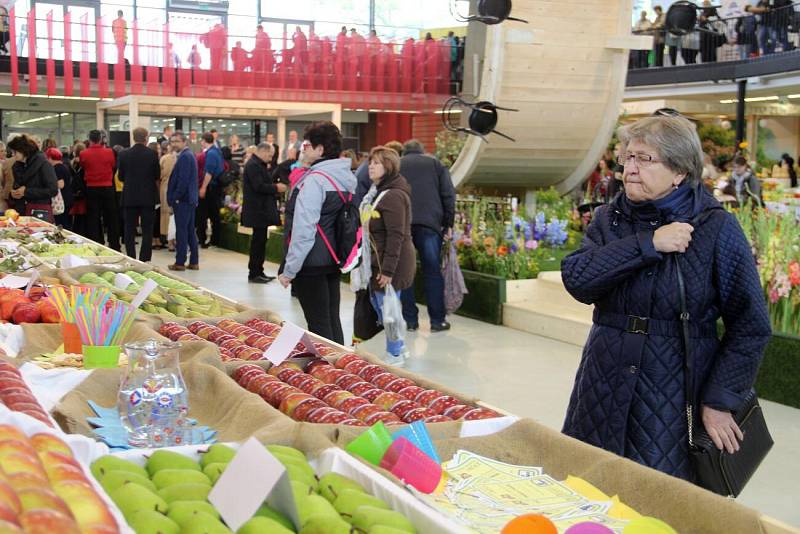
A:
{"points": [[674, 138]]}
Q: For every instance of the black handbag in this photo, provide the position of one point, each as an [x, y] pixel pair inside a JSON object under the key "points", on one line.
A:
{"points": [[714, 469], [365, 318]]}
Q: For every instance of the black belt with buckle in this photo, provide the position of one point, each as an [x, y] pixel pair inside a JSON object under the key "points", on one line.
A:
{"points": [[633, 324], [637, 325]]}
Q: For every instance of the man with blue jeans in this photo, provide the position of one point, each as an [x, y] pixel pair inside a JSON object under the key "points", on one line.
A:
{"points": [[433, 204], [210, 193], [182, 196]]}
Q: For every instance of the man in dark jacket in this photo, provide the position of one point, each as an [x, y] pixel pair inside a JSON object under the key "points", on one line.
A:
{"points": [[260, 208], [98, 163], [284, 168], [182, 196], [433, 207], [210, 191], [139, 171]]}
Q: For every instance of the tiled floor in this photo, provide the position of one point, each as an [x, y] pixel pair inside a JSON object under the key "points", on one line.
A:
{"points": [[524, 374]]}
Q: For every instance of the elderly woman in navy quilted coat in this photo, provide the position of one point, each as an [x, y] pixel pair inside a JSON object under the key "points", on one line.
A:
{"points": [[628, 396]]}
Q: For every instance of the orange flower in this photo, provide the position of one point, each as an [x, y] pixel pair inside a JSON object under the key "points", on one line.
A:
{"points": [[502, 250], [794, 273]]}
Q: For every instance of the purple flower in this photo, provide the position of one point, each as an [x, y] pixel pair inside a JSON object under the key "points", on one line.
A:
{"points": [[531, 244]]}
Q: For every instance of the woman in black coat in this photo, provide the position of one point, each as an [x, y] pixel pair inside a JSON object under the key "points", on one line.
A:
{"points": [[260, 208], [35, 182]]}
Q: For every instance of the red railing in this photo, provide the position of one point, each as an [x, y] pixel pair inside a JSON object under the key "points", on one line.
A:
{"points": [[157, 61]]}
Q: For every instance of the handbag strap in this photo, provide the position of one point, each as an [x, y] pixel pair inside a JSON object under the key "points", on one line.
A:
{"points": [[688, 382]]}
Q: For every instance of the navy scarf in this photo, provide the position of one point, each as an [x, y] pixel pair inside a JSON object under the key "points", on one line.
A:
{"points": [[681, 205]]}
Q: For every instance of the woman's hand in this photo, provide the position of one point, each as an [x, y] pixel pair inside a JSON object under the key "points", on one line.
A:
{"points": [[18, 193], [384, 280], [722, 429], [673, 237], [285, 281]]}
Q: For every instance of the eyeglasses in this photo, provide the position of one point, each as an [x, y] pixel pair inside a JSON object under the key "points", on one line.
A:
{"points": [[642, 160], [305, 145]]}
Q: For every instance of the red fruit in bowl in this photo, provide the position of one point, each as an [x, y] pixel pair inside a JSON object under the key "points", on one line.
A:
{"points": [[387, 400], [242, 369], [333, 398], [397, 385], [316, 415], [306, 407], [286, 373], [411, 392], [322, 391], [401, 408], [342, 362], [442, 403], [257, 382], [386, 417], [372, 394], [349, 404], [418, 414], [371, 371], [428, 396], [359, 388], [363, 412], [310, 385], [480, 413], [437, 419], [356, 366], [384, 379], [336, 418], [317, 362], [353, 422], [458, 411], [348, 380]]}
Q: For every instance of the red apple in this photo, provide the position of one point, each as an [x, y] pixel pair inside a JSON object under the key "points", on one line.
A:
{"points": [[218, 335], [399, 385], [347, 380], [230, 344], [297, 380], [335, 418], [372, 394], [458, 411], [334, 397], [442, 403], [23, 481], [285, 374], [256, 383], [332, 374], [320, 413], [240, 371], [386, 417], [10, 500], [360, 388], [342, 362], [275, 369], [387, 400], [371, 371], [26, 312], [291, 401], [384, 379], [356, 366], [310, 385], [325, 390], [270, 389], [480, 413], [428, 396], [48, 522], [349, 404], [48, 311], [34, 499], [400, 409], [251, 354], [195, 326], [250, 374], [363, 412], [304, 408], [353, 422], [316, 362], [437, 419], [418, 414]]}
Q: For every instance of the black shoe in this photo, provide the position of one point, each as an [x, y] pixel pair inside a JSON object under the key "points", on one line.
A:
{"points": [[440, 327], [261, 279], [412, 327], [203, 245]]}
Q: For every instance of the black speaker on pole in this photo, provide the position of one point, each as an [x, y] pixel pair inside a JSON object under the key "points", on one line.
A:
{"points": [[482, 118], [489, 12]]}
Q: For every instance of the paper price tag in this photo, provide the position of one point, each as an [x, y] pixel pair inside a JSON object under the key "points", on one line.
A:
{"points": [[14, 282], [34, 277], [143, 293], [288, 338], [252, 476], [70, 260], [122, 281]]}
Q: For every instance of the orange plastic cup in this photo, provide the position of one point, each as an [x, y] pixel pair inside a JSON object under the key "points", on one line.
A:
{"points": [[72, 338]]}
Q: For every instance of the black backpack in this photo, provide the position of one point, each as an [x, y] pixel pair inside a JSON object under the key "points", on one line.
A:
{"points": [[347, 229], [229, 175]]}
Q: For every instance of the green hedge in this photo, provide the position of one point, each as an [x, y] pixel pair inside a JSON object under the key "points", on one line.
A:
{"points": [[232, 239], [778, 376], [484, 302]]}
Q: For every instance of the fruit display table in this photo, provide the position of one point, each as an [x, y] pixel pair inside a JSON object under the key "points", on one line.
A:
{"points": [[305, 412]]}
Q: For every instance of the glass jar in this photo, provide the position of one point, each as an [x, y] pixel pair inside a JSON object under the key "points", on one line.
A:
{"points": [[153, 402]]}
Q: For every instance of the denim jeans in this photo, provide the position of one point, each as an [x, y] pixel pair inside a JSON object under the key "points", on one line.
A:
{"points": [[769, 37], [395, 348], [185, 235], [429, 245]]}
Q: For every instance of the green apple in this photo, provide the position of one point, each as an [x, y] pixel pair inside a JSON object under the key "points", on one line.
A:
{"points": [[115, 479], [367, 517], [217, 453], [106, 464], [326, 525], [214, 471], [171, 477], [150, 522], [203, 523], [331, 484], [182, 511], [270, 513], [131, 498], [161, 460], [287, 451], [185, 492], [349, 500], [315, 505], [263, 525]]}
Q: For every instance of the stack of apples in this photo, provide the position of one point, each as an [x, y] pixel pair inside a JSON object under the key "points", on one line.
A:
{"points": [[17, 396], [43, 489], [177, 332], [272, 330], [18, 308]]}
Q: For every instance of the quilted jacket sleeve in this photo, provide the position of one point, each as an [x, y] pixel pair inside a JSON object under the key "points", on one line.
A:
{"points": [[591, 272], [744, 312]]}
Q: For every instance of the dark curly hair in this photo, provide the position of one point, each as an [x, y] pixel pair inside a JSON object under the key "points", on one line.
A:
{"points": [[24, 145], [327, 134]]}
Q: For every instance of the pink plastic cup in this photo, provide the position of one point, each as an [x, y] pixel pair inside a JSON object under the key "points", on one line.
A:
{"points": [[405, 461], [589, 528]]}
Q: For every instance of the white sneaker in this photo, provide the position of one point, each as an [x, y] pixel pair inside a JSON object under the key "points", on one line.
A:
{"points": [[396, 361]]}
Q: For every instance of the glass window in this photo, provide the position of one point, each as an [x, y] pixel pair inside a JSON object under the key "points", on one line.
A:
{"points": [[83, 33], [151, 3], [84, 123], [45, 48], [339, 11]]}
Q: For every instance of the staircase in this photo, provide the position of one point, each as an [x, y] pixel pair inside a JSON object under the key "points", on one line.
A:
{"points": [[543, 307]]}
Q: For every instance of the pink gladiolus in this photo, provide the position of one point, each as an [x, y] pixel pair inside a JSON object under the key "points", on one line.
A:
{"points": [[531, 244]]}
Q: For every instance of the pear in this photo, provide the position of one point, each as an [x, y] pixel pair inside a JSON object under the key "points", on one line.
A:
{"points": [[263, 525], [182, 511], [106, 464], [270, 513], [162, 459], [286, 451], [115, 479], [300, 490], [214, 471], [203, 523], [302, 465], [171, 477], [326, 525], [185, 492], [150, 522], [217, 453], [131, 498], [331, 484], [349, 500], [367, 517], [383, 529], [314, 505]]}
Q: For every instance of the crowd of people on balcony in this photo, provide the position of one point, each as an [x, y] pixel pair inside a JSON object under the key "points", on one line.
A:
{"points": [[766, 27]]}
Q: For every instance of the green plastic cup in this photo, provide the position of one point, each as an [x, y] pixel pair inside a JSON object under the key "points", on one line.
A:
{"points": [[372, 444], [101, 357]]}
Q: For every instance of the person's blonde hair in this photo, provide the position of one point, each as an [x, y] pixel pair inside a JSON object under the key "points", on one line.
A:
{"points": [[388, 158]]}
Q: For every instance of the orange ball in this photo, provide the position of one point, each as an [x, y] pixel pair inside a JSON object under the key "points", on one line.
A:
{"points": [[530, 524]]}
